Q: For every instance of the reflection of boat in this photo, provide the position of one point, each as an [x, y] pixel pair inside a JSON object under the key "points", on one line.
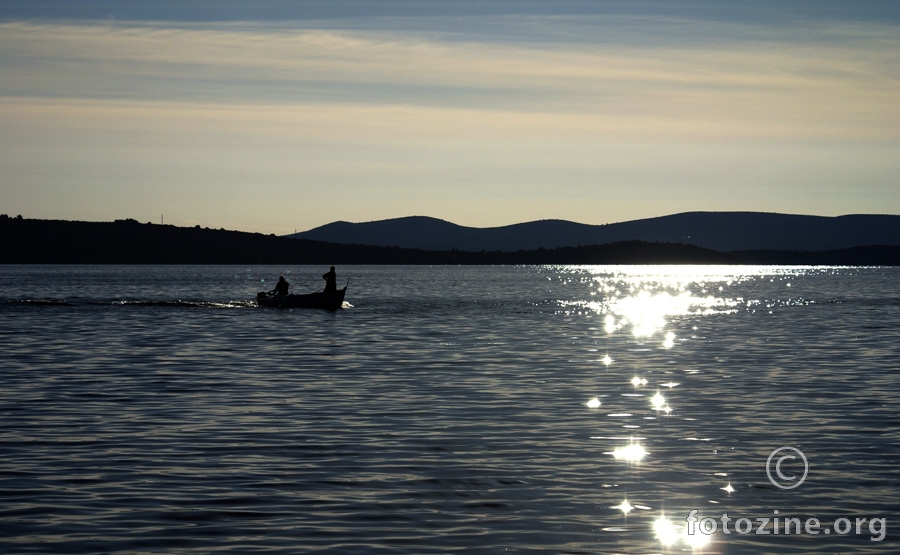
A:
{"points": [[329, 301]]}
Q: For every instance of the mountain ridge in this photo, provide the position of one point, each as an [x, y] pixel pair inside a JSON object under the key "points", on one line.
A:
{"points": [[720, 231], [27, 241]]}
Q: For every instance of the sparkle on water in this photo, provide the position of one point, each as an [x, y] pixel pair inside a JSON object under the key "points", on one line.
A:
{"points": [[625, 507], [641, 311], [633, 452]]}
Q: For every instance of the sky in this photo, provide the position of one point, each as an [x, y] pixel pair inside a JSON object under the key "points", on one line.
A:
{"points": [[280, 115]]}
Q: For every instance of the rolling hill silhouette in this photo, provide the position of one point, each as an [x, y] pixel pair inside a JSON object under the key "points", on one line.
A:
{"points": [[27, 241], [720, 231]]}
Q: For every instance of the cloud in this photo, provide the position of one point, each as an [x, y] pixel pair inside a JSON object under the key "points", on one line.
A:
{"points": [[742, 89], [484, 124]]}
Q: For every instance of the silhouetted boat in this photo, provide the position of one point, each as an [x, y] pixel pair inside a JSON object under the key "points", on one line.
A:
{"points": [[328, 301]]}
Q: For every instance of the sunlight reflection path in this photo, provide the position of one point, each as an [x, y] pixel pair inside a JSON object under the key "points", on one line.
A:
{"points": [[636, 308]]}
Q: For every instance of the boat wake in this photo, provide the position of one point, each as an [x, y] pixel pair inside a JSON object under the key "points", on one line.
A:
{"points": [[177, 303]]}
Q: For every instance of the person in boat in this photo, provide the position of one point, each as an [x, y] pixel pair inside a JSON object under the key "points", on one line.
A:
{"points": [[330, 281], [281, 288]]}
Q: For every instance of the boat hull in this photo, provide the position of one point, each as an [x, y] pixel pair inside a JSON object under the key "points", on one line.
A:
{"points": [[328, 301]]}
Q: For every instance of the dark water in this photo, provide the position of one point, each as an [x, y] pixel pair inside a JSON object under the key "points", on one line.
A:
{"points": [[156, 410]]}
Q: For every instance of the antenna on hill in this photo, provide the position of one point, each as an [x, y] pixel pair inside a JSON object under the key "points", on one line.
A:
{"points": [[162, 219]]}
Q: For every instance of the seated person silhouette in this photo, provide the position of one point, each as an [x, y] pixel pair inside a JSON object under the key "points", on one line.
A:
{"points": [[330, 281], [281, 288]]}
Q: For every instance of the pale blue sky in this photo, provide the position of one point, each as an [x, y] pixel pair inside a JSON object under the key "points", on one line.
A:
{"points": [[273, 116]]}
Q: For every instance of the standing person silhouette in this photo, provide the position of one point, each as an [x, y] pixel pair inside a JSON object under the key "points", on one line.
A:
{"points": [[330, 281]]}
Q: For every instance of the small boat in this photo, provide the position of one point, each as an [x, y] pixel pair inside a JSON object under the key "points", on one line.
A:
{"points": [[329, 301]]}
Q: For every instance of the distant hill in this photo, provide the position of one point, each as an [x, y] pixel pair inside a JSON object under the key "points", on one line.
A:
{"points": [[26, 241], [720, 231]]}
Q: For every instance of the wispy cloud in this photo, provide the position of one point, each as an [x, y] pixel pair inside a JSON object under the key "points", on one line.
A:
{"points": [[745, 88], [456, 119]]}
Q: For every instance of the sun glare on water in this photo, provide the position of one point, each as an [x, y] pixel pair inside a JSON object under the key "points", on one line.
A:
{"points": [[633, 452]]}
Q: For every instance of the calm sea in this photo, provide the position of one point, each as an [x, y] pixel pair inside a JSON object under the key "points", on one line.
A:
{"points": [[553, 409]]}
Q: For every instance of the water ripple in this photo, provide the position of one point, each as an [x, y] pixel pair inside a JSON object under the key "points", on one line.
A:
{"points": [[178, 418]]}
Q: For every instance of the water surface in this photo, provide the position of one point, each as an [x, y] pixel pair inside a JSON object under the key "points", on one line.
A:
{"points": [[155, 409]]}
